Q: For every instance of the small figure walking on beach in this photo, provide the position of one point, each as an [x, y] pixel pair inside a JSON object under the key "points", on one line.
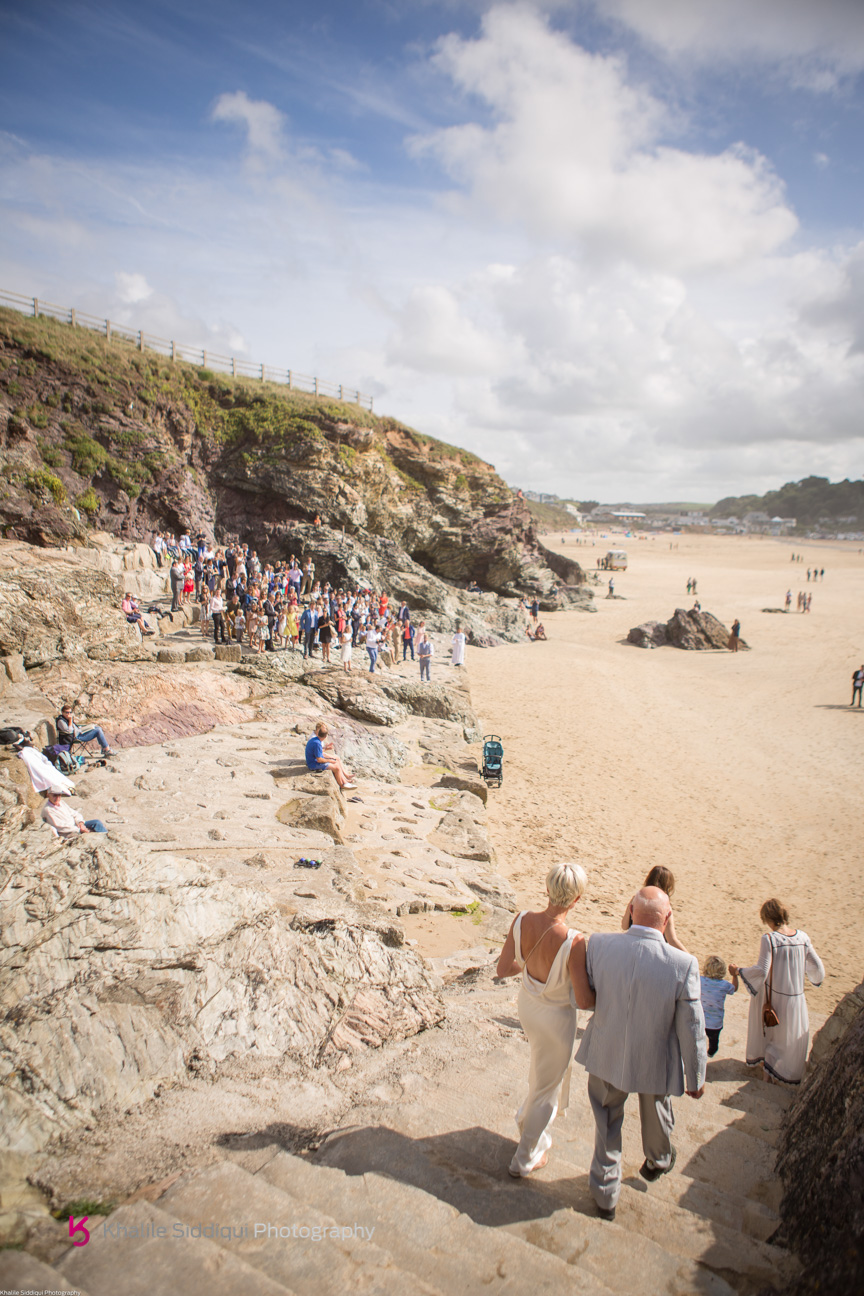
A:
{"points": [[788, 599], [611, 593], [857, 684], [735, 635]]}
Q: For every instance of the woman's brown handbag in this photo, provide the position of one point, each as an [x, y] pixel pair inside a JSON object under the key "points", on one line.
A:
{"points": [[769, 1016]]}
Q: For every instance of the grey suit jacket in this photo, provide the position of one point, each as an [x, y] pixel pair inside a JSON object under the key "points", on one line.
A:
{"points": [[648, 1028]]}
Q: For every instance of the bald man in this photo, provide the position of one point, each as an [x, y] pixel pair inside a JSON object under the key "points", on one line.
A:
{"points": [[647, 1037]]}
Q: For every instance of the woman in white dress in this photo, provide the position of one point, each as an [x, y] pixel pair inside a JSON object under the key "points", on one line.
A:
{"points": [[458, 646], [551, 959], [781, 1049]]}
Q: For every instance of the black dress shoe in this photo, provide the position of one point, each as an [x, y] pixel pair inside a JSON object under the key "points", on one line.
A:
{"points": [[651, 1173], [606, 1214]]}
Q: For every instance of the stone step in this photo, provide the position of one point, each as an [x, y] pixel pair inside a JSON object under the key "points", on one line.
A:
{"points": [[426, 1235], [448, 1167], [724, 1230], [729, 1160], [317, 1264], [142, 1263], [21, 1272]]}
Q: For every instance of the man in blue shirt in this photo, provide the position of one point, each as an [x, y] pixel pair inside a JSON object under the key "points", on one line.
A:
{"points": [[321, 755]]}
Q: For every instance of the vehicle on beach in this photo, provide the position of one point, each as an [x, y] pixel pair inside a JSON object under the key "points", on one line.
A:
{"points": [[615, 560]]}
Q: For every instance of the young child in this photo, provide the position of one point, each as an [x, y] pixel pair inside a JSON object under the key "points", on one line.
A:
{"points": [[715, 988]]}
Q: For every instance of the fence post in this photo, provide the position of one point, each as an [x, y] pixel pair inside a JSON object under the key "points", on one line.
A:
{"points": [[262, 373], [316, 386], [233, 367], [108, 330], [289, 379], [72, 317], [340, 391], [203, 359], [173, 352], [371, 403], [140, 339], [35, 306]]}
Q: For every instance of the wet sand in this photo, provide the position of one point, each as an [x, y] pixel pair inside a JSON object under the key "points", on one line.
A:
{"points": [[742, 773]]}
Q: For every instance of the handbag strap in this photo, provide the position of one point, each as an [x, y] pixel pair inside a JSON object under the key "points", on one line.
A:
{"points": [[770, 982]]}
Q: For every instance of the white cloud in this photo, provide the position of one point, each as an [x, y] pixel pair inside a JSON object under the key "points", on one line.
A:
{"points": [[262, 121], [813, 43], [133, 288], [574, 152]]}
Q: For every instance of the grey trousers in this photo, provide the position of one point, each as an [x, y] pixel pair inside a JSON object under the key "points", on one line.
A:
{"points": [[607, 1104]]}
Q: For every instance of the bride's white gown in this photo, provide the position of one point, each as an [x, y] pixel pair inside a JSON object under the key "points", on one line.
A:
{"points": [[547, 1011]]}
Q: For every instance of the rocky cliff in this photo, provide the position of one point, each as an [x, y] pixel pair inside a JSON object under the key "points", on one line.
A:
{"points": [[821, 1159], [98, 434]]}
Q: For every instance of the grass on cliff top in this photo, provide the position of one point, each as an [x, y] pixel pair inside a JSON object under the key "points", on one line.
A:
{"points": [[227, 409], [550, 517]]}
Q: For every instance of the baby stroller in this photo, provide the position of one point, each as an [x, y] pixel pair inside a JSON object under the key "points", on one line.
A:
{"points": [[493, 760]]}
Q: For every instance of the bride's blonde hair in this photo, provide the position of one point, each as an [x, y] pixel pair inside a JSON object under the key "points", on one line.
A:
{"points": [[565, 883]]}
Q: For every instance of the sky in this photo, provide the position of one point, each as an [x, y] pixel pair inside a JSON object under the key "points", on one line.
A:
{"points": [[615, 247]]}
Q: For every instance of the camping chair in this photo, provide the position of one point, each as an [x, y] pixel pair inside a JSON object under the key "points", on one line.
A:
{"points": [[83, 753], [493, 760]]}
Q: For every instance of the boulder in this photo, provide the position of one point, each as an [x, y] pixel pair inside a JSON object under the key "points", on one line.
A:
{"points": [[228, 652], [462, 831], [697, 631], [475, 786], [320, 814], [171, 656], [323, 785], [372, 707], [202, 654], [13, 668], [651, 634]]}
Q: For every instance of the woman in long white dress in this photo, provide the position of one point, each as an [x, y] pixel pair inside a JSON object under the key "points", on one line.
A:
{"points": [[458, 646], [551, 958], [781, 1049]]}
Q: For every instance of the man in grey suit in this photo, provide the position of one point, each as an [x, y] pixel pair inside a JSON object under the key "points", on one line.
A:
{"points": [[647, 1032]]}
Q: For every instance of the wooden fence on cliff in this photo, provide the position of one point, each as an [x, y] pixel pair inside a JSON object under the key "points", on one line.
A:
{"points": [[204, 359]]}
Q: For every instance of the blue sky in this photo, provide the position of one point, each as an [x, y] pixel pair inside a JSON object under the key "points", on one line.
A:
{"points": [[614, 246]]}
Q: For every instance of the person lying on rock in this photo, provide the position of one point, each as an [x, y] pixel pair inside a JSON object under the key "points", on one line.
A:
{"points": [[43, 775], [67, 821], [321, 755]]}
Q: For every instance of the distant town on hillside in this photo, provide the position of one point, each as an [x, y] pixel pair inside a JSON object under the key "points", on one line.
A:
{"points": [[814, 507]]}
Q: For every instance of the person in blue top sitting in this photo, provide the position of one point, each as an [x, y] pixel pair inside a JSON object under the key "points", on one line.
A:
{"points": [[321, 755]]}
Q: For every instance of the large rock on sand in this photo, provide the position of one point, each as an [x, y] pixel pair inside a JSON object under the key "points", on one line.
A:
{"points": [[691, 630]]}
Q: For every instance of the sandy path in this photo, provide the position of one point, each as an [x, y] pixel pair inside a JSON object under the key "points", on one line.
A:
{"points": [[741, 773]]}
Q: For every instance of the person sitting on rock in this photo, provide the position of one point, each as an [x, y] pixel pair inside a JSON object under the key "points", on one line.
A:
{"points": [[66, 821], [134, 615], [540, 632], [69, 733], [321, 755]]}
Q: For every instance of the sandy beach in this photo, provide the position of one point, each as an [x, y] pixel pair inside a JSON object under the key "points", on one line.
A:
{"points": [[743, 773]]}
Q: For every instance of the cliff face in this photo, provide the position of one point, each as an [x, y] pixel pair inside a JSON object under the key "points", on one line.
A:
{"points": [[100, 434], [821, 1159]]}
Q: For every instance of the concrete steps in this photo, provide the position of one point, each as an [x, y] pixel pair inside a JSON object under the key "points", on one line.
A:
{"points": [[131, 1255], [414, 1194], [319, 1264], [426, 1234]]}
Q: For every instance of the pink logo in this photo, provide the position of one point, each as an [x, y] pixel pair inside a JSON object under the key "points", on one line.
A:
{"points": [[79, 1228]]}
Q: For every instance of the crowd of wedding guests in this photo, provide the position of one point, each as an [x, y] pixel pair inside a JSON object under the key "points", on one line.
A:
{"points": [[655, 1020], [283, 605]]}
